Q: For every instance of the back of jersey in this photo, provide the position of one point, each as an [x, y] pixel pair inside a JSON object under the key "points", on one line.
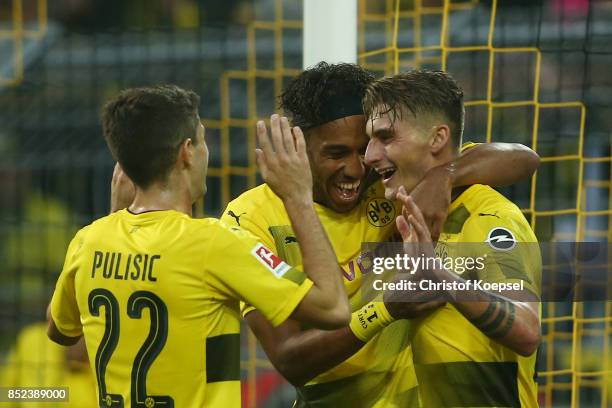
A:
{"points": [[139, 286], [156, 296]]}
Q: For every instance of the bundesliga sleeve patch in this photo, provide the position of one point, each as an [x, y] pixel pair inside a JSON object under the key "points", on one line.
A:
{"points": [[270, 260], [501, 239]]}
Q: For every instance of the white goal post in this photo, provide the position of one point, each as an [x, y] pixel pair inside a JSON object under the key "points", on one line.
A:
{"points": [[330, 31]]}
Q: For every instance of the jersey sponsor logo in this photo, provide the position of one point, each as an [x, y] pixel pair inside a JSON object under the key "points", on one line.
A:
{"points": [[290, 239], [501, 239], [363, 263], [380, 212], [270, 260], [237, 217]]}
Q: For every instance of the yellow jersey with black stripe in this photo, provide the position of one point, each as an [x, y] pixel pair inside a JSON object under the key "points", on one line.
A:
{"points": [[157, 297], [381, 373], [456, 364]]}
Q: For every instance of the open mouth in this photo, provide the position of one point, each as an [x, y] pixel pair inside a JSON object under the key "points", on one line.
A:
{"points": [[386, 173], [347, 191]]}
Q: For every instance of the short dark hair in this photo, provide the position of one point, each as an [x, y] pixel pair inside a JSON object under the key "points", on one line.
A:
{"points": [[317, 95], [419, 92], [144, 128]]}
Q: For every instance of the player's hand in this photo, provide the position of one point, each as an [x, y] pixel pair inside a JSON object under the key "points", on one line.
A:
{"points": [[283, 161], [123, 190], [415, 304], [417, 243], [413, 228], [433, 196]]}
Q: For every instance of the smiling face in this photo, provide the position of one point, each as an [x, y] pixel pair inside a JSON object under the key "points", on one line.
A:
{"points": [[399, 150], [335, 151], [415, 122]]}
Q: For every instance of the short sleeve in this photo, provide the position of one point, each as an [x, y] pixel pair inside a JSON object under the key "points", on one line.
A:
{"points": [[510, 250], [64, 308], [238, 216], [240, 266]]}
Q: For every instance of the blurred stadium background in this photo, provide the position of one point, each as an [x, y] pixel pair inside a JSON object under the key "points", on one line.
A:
{"points": [[534, 72]]}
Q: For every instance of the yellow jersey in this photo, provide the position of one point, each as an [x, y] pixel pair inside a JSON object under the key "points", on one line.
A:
{"points": [[456, 364], [380, 374], [157, 297]]}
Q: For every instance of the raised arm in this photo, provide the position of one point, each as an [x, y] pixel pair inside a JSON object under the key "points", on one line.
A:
{"points": [[284, 166], [494, 164]]}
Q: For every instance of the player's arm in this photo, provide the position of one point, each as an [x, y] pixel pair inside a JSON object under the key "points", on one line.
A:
{"points": [[64, 323], [494, 164], [512, 321], [55, 335], [284, 166], [300, 355]]}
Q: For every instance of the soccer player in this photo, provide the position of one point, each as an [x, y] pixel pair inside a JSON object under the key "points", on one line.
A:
{"points": [[479, 349], [356, 366], [155, 292]]}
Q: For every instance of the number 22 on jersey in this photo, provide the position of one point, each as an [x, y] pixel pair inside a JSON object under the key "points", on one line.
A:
{"points": [[149, 350]]}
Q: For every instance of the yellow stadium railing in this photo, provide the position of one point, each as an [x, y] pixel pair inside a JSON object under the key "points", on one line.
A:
{"points": [[17, 34]]}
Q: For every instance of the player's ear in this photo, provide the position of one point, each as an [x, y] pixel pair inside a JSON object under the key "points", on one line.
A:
{"points": [[440, 138], [185, 153]]}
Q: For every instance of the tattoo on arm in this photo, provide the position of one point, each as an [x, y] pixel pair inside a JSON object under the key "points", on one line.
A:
{"points": [[509, 322], [483, 318], [497, 320], [492, 326]]}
